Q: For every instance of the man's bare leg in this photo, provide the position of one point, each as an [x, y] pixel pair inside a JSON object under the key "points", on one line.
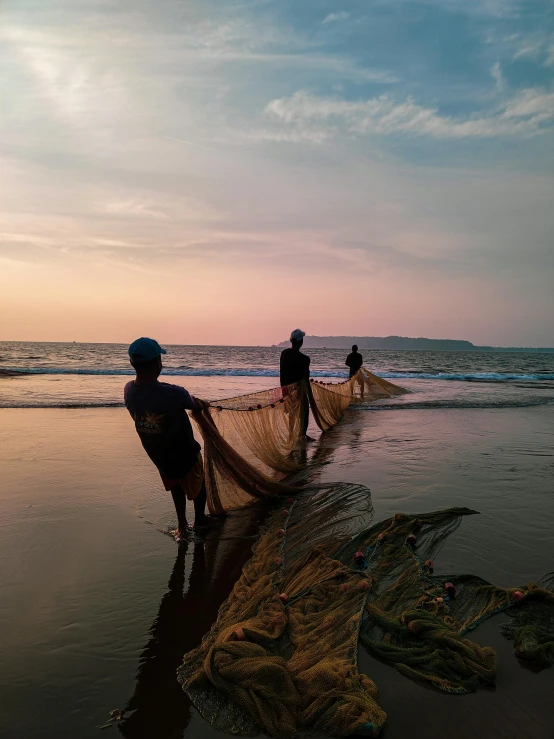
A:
{"points": [[180, 503], [305, 419], [200, 518]]}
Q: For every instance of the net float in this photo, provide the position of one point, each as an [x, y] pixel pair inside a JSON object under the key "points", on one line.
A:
{"points": [[273, 405], [284, 598], [359, 557], [278, 561], [290, 501], [285, 512], [250, 408], [364, 585], [381, 536], [280, 532], [440, 602], [430, 564], [240, 635], [518, 596], [450, 589], [411, 540], [259, 405]]}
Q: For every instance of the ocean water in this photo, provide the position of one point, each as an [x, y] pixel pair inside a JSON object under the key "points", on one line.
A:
{"points": [[90, 375], [98, 606]]}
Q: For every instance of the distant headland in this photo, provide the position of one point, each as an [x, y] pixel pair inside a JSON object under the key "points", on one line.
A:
{"points": [[404, 342]]}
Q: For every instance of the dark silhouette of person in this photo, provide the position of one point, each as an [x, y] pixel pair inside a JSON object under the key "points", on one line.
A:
{"points": [[159, 412], [354, 360], [295, 367], [203, 575]]}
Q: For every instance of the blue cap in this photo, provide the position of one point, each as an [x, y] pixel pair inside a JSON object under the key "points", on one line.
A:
{"points": [[144, 350]]}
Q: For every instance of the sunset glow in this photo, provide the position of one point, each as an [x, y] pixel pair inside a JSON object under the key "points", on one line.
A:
{"points": [[220, 172]]}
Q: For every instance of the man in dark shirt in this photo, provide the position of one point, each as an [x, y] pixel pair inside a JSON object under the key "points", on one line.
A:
{"points": [[295, 367], [354, 360], [159, 411]]}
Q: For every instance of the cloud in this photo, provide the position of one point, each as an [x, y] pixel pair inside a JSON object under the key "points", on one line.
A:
{"points": [[496, 74], [334, 17], [309, 117]]}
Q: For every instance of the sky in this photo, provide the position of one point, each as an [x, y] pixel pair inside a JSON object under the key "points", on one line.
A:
{"points": [[223, 171]]}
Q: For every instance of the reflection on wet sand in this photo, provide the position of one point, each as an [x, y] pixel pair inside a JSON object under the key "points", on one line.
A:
{"points": [[158, 706]]}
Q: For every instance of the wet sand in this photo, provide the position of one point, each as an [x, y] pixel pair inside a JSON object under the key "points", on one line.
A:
{"points": [[98, 606]]}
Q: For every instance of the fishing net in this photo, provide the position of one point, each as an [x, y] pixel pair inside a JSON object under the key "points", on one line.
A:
{"points": [[251, 441], [248, 446], [418, 621], [282, 655], [329, 400]]}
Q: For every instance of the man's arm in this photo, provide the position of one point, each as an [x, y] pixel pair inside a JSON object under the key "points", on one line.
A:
{"points": [[307, 368], [281, 368], [190, 403]]}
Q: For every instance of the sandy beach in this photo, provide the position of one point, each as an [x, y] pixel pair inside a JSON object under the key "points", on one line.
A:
{"points": [[99, 606]]}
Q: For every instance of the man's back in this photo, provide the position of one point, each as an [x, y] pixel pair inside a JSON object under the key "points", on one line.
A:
{"points": [[164, 428], [354, 360], [294, 366]]}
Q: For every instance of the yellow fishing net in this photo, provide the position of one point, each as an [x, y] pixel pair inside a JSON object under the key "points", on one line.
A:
{"points": [[282, 655], [329, 400], [250, 440]]}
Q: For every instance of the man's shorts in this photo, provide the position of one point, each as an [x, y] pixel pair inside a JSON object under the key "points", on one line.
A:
{"points": [[191, 483]]}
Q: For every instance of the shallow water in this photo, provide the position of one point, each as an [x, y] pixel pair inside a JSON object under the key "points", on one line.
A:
{"points": [[98, 606]]}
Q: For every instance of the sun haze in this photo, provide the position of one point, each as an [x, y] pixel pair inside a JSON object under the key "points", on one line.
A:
{"points": [[218, 172]]}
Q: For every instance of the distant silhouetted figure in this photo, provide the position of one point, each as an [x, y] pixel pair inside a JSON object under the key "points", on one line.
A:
{"points": [[354, 360], [295, 367]]}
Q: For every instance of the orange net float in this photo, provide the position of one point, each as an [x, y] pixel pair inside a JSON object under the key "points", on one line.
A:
{"points": [[239, 634], [450, 589]]}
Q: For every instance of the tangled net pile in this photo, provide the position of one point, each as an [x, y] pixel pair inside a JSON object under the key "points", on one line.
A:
{"points": [[250, 440], [282, 656]]}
